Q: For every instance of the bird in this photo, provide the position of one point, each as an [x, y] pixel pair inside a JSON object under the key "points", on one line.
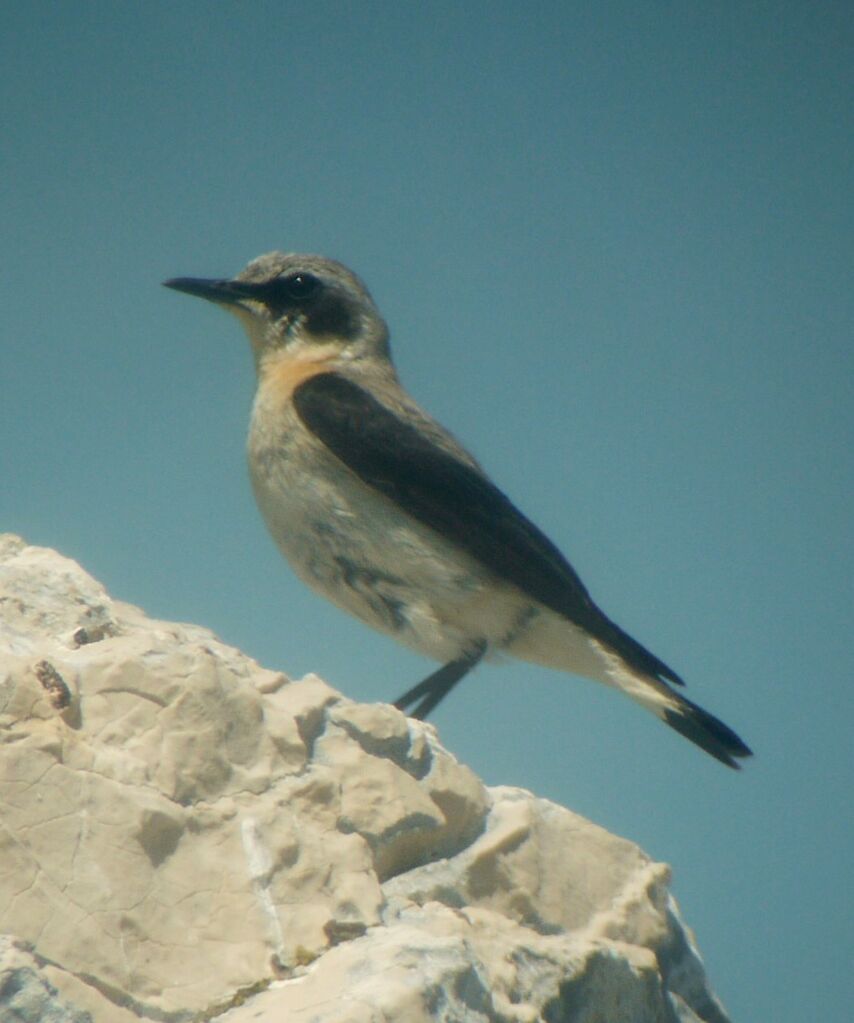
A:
{"points": [[382, 511]]}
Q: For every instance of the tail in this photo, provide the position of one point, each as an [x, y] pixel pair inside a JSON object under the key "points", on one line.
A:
{"points": [[704, 730], [625, 665], [696, 724]]}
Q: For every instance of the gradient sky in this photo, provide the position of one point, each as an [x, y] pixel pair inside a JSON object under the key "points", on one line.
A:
{"points": [[613, 243]]}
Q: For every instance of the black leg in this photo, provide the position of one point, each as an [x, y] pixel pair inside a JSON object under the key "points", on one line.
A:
{"points": [[436, 687]]}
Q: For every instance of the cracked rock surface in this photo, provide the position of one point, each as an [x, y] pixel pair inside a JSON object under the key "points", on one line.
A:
{"points": [[185, 835]]}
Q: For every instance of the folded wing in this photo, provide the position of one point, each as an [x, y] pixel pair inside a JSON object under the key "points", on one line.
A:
{"points": [[459, 502]]}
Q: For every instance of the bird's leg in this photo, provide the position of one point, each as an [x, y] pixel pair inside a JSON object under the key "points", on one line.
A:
{"points": [[436, 687]]}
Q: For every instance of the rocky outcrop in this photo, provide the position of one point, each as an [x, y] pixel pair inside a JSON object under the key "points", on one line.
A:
{"points": [[186, 835]]}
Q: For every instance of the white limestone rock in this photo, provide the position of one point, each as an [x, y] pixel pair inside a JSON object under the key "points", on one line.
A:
{"points": [[188, 835]]}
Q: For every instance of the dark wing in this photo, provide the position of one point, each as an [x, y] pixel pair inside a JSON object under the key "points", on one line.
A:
{"points": [[458, 502]]}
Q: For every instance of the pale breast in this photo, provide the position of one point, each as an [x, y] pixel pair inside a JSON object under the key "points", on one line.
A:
{"points": [[353, 544]]}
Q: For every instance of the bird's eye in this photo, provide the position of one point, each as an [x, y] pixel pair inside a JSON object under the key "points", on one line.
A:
{"points": [[299, 286]]}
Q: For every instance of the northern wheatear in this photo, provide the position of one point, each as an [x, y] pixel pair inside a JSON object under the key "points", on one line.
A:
{"points": [[378, 508]]}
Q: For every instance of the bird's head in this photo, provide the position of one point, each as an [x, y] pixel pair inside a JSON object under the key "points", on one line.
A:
{"points": [[286, 300]]}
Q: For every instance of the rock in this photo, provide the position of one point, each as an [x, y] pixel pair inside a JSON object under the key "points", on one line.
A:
{"points": [[25, 994], [187, 835]]}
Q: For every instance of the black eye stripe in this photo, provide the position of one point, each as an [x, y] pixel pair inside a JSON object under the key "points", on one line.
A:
{"points": [[327, 310], [297, 286]]}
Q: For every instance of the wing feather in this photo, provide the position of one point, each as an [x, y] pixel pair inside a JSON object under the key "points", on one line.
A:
{"points": [[456, 500]]}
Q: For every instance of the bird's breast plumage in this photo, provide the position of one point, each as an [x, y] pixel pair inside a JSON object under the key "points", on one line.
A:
{"points": [[355, 546]]}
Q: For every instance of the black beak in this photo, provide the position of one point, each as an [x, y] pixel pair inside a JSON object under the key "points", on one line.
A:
{"points": [[223, 291]]}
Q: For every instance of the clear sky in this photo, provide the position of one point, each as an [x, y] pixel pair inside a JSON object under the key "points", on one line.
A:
{"points": [[613, 243]]}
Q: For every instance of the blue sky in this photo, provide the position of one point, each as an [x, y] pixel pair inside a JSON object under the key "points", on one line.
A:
{"points": [[613, 243]]}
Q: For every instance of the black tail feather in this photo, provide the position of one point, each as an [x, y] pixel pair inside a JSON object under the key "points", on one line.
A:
{"points": [[708, 732]]}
